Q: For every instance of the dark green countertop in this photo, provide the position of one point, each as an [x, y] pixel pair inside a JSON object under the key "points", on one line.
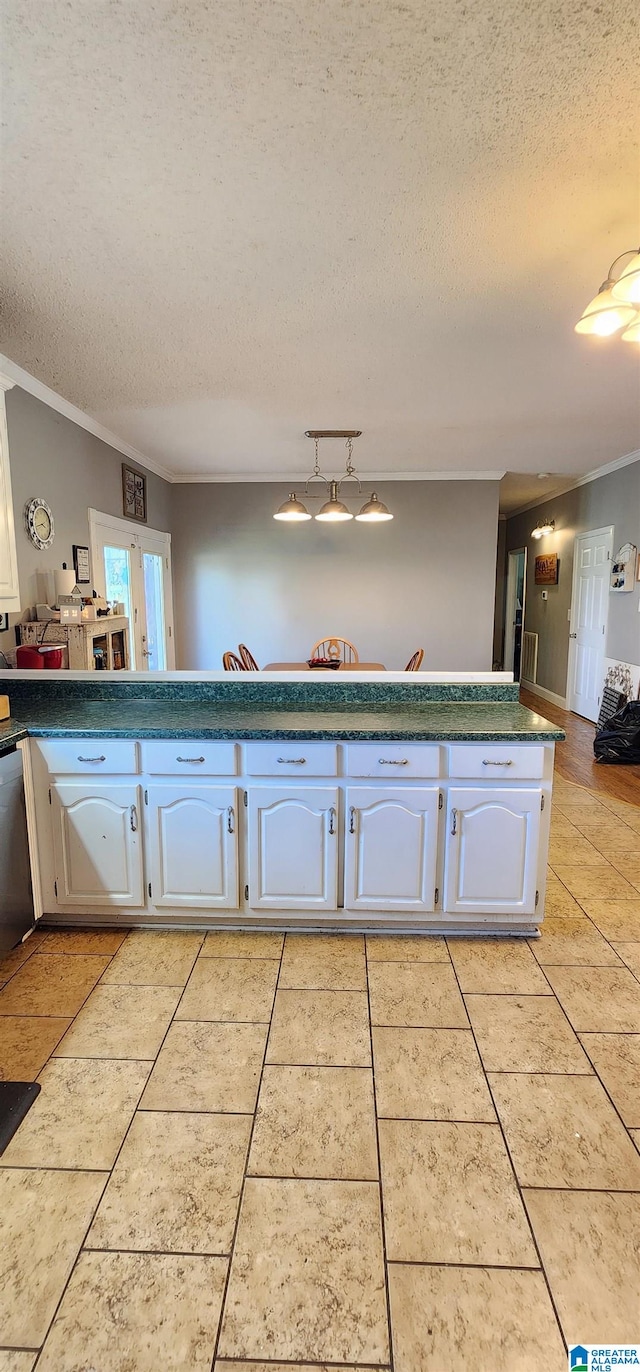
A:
{"points": [[468, 721], [10, 733]]}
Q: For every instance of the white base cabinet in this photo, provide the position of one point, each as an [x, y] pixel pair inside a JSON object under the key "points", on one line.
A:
{"points": [[391, 848], [293, 848], [492, 850], [282, 835], [96, 840], [192, 847]]}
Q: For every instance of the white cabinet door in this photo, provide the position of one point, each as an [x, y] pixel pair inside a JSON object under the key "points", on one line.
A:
{"points": [[9, 591], [391, 848], [293, 848], [193, 846], [492, 850], [98, 851]]}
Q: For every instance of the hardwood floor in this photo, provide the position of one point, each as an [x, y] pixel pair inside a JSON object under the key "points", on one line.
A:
{"points": [[574, 757]]}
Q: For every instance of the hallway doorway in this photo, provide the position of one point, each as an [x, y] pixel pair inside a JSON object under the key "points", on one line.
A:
{"points": [[514, 610]]}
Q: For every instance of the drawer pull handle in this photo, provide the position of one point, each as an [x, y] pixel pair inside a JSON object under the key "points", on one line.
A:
{"points": [[332, 820], [352, 819], [489, 762], [230, 820], [102, 758], [133, 819], [292, 761], [393, 761], [189, 759], [454, 823]]}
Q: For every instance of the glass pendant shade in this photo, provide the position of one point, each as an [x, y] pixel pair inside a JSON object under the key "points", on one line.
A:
{"points": [[632, 334], [292, 510], [373, 511], [627, 287], [333, 511], [541, 530], [604, 314]]}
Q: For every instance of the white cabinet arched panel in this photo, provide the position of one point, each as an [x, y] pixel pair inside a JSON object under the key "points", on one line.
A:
{"points": [[391, 848], [193, 847], [293, 848], [97, 843], [492, 850]]}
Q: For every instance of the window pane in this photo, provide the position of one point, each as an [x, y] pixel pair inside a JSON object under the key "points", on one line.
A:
{"points": [[154, 605], [117, 577]]}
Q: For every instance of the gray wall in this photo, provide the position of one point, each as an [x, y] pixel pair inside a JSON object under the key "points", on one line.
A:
{"points": [[426, 579], [54, 458], [612, 499], [501, 586]]}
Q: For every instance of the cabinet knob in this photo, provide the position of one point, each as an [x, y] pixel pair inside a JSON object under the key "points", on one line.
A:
{"points": [[393, 761], [189, 759], [454, 823], [352, 819], [292, 761], [102, 758], [231, 820], [332, 820], [490, 762], [133, 819]]}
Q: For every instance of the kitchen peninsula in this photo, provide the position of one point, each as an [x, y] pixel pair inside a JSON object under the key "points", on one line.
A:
{"points": [[173, 800]]}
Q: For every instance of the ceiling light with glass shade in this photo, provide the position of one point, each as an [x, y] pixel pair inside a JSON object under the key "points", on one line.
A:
{"points": [[617, 304], [333, 510], [548, 526]]}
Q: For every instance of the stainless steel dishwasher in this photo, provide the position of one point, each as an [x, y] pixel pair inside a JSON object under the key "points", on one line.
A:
{"points": [[16, 900]]}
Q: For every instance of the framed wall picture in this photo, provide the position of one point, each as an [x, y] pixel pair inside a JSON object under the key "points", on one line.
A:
{"points": [[134, 494], [82, 565], [546, 570]]}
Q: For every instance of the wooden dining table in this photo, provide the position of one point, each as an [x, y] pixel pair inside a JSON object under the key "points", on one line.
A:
{"points": [[344, 667]]}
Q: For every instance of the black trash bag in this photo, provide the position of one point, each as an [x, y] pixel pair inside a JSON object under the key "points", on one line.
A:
{"points": [[619, 739]]}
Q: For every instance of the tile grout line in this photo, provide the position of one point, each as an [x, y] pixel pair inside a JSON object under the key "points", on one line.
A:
{"points": [[232, 1245], [515, 1175], [385, 1261], [82, 1248], [598, 1078]]}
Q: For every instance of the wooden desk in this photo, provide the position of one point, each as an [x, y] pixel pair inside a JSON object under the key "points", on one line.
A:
{"points": [[344, 667]]}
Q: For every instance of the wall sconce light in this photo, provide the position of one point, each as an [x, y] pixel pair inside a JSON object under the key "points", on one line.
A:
{"points": [[541, 530]]}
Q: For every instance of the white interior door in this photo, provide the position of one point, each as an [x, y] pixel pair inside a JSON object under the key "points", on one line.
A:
{"points": [[135, 567], [588, 626]]}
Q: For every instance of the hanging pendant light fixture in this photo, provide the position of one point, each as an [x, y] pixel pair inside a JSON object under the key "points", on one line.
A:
{"points": [[617, 304], [334, 510], [292, 509]]}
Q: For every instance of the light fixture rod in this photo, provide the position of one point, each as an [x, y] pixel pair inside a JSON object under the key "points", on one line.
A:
{"points": [[332, 433]]}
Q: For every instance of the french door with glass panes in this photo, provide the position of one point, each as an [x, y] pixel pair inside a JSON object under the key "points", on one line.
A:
{"points": [[134, 566]]}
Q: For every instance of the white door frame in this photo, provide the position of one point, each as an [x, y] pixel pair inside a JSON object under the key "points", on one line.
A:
{"points": [[510, 604], [135, 536], [606, 530]]}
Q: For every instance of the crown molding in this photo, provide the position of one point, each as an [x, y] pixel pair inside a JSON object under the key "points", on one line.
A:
{"points": [[571, 482], [13, 375], [299, 478]]}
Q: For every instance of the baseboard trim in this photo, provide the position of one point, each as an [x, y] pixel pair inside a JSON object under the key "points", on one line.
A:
{"points": [[551, 696]]}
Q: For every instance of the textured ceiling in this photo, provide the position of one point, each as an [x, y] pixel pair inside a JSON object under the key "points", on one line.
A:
{"points": [[225, 223]]}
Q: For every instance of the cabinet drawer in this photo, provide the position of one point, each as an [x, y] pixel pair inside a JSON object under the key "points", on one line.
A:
{"points": [[292, 759], [71, 756], [188, 757], [496, 761], [393, 760]]}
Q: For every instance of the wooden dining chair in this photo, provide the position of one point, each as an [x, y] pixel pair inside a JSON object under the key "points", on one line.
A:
{"points": [[248, 660], [415, 661], [340, 648], [231, 663]]}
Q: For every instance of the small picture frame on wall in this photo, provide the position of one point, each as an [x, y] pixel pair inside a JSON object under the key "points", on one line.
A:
{"points": [[546, 570], [82, 565], [134, 494]]}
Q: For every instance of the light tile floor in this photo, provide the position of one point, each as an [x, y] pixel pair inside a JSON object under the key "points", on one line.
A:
{"points": [[253, 1153]]}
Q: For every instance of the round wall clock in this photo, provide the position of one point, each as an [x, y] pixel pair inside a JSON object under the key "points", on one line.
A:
{"points": [[39, 521]]}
